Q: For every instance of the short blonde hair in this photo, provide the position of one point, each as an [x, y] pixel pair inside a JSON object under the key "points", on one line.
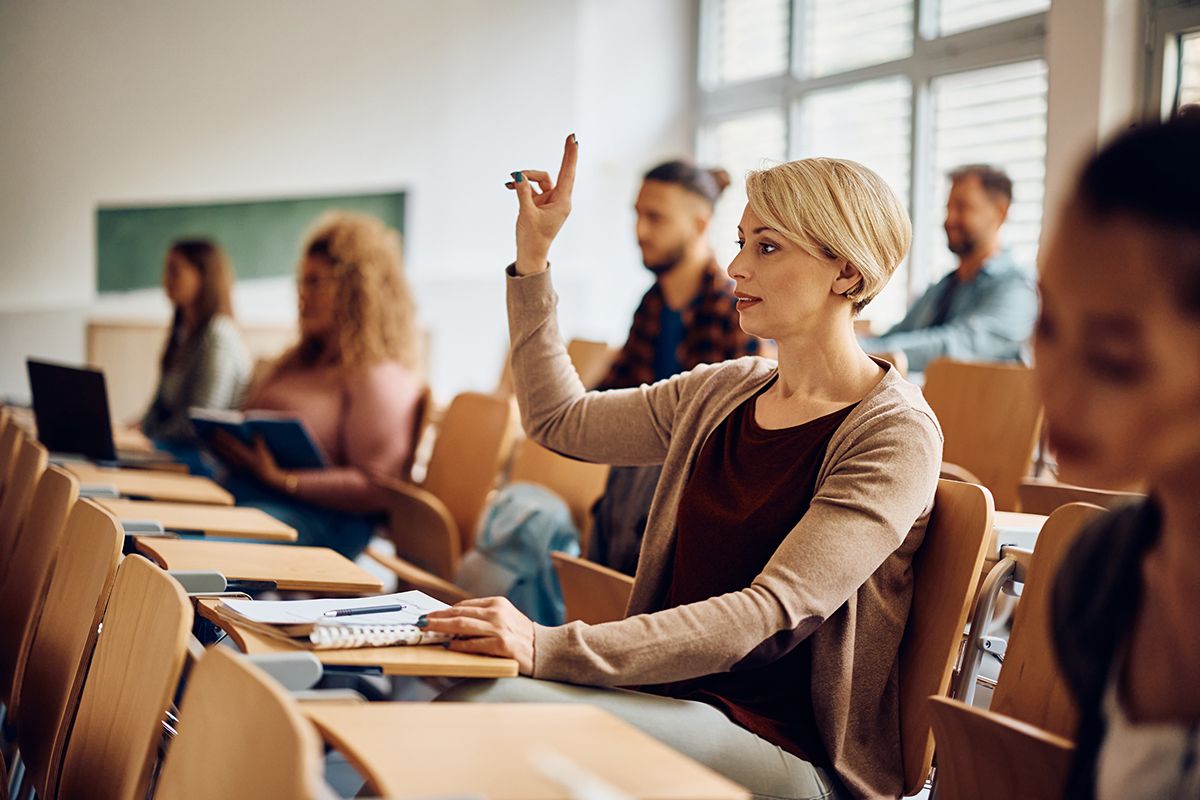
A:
{"points": [[835, 208]]}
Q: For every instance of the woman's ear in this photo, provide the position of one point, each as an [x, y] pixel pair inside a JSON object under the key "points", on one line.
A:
{"points": [[848, 279]]}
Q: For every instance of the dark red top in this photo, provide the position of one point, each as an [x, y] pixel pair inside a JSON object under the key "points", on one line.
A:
{"points": [[749, 488]]}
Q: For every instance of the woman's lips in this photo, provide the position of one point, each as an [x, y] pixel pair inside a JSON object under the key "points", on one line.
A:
{"points": [[746, 300]]}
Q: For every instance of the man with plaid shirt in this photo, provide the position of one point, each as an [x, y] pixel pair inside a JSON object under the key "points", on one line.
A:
{"points": [[688, 317]]}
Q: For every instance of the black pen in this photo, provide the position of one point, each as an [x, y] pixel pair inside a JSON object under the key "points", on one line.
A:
{"points": [[350, 612]]}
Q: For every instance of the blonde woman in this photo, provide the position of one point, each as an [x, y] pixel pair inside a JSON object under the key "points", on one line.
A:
{"points": [[351, 379], [774, 579]]}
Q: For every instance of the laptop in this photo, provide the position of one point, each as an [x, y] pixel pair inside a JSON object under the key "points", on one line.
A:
{"points": [[70, 406]]}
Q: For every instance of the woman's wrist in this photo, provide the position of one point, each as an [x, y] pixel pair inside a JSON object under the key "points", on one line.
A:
{"points": [[529, 263]]}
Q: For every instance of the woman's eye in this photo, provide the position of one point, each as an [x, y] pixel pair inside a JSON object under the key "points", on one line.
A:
{"points": [[1114, 370], [766, 248], [740, 243]]}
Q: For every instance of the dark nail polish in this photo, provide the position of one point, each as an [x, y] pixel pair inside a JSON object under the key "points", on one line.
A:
{"points": [[575, 139], [518, 177], [422, 621], [509, 185]]}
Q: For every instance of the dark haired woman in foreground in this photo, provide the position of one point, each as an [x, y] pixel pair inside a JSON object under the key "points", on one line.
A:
{"points": [[1118, 357]]}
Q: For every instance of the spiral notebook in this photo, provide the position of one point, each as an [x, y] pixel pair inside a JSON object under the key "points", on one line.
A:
{"points": [[305, 623]]}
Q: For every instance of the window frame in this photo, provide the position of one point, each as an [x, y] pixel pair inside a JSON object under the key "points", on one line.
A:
{"points": [[993, 45]]}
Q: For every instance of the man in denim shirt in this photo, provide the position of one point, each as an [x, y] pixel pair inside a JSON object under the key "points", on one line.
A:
{"points": [[982, 311]]}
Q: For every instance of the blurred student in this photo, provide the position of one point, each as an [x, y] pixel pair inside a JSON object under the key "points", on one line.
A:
{"points": [[352, 380], [1117, 348], [688, 317], [204, 362], [775, 580], [984, 309]]}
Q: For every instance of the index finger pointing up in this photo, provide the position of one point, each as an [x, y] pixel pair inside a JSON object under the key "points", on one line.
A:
{"points": [[566, 174]]}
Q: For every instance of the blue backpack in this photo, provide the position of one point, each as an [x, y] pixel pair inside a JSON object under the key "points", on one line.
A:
{"points": [[522, 525]]}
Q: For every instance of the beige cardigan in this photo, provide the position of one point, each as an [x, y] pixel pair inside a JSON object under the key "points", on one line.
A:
{"points": [[842, 576]]}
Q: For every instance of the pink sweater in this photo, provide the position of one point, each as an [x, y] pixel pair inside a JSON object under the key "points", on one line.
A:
{"points": [[363, 424]]}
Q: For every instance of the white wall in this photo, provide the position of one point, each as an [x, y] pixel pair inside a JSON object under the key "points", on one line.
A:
{"points": [[147, 101]]}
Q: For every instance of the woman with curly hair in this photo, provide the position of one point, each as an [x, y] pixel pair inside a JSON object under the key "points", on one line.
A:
{"points": [[352, 379]]}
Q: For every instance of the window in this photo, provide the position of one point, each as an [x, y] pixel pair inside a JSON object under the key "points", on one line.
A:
{"points": [[1174, 55], [1189, 70], [911, 88]]}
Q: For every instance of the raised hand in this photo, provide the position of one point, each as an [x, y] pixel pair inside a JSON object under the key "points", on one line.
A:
{"points": [[542, 210]]}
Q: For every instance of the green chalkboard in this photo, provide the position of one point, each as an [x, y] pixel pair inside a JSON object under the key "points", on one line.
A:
{"points": [[262, 237]]}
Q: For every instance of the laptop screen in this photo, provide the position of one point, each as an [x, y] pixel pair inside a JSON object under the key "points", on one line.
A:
{"points": [[71, 409]]}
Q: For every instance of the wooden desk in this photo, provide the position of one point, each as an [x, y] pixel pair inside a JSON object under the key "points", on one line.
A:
{"points": [[235, 522], [427, 661], [153, 485], [490, 749], [305, 569]]}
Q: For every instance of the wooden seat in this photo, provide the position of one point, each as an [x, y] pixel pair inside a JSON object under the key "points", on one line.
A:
{"points": [[112, 747], [22, 595], [592, 592], [1022, 746], [432, 524], [990, 416], [578, 483], [66, 633], [240, 735], [27, 471], [944, 573], [1040, 496]]}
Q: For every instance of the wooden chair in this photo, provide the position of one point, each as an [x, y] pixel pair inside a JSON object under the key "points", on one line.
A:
{"points": [[592, 592], [991, 416], [27, 472], [62, 645], [945, 568], [1021, 747], [1040, 496], [578, 483], [112, 747], [421, 420], [240, 735], [591, 359], [22, 595], [9, 433], [433, 524]]}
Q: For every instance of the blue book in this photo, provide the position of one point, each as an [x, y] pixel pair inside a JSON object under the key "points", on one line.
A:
{"points": [[286, 437]]}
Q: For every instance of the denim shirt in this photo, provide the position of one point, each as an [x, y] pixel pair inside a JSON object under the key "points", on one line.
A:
{"points": [[989, 318]]}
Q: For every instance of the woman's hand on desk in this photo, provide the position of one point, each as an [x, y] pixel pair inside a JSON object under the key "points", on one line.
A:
{"points": [[490, 626], [542, 210], [256, 460]]}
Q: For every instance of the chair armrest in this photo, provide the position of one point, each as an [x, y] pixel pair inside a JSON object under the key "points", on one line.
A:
{"points": [[421, 528], [196, 581], [295, 671], [412, 575]]}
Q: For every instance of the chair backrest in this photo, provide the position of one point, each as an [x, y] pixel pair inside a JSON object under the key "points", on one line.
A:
{"points": [[22, 594], [240, 735], [987, 756], [421, 417], [473, 442], [9, 434], [1043, 497], [112, 747], [591, 359], [578, 483], [945, 568], [592, 592], [1030, 687], [27, 472], [990, 415], [62, 644]]}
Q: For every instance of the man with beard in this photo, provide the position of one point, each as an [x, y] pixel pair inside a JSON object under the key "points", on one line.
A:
{"points": [[983, 310], [688, 317]]}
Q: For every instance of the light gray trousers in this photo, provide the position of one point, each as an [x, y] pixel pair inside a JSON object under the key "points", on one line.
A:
{"points": [[695, 729]]}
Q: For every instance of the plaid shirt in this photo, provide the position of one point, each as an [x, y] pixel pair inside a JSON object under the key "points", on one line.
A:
{"points": [[711, 333]]}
